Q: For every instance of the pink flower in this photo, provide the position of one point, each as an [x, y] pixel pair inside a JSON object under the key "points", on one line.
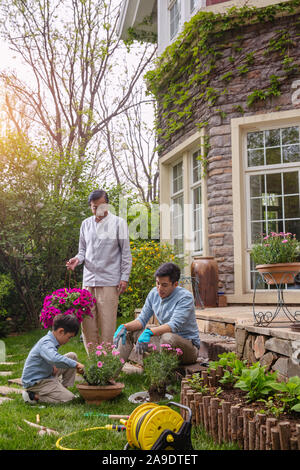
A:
{"points": [[122, 360], [99, 347], [99, 364], [98, 353], [165, 345], [153, 346], [284, 241], [179, 351], [115, 353]]}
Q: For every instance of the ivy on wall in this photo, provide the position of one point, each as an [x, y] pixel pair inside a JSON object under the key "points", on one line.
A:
{"points": [[185, 72]]}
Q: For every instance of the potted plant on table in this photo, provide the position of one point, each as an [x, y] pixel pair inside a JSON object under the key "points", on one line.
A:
{"points": [[101, 369], [276, 257], [159, 367]]}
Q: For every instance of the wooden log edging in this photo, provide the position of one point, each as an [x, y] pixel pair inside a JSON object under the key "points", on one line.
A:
{"points": [[227, 422]]}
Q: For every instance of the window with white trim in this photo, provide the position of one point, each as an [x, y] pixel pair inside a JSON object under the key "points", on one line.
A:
{"points": [[192, 5], [197, 206], [177, 209], [175, 17], [272, 186]]}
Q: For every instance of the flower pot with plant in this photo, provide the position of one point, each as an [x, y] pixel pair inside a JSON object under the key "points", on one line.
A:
{"points": [[65, 301], [276, 257], [101, 369], [159, 367]]}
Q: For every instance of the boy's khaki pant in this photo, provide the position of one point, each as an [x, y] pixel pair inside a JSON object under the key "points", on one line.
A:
{"points": [[102, 326], [53, 389]]}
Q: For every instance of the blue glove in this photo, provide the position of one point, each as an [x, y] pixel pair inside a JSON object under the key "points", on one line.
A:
{"points": [[143, 340], [120, 333]]}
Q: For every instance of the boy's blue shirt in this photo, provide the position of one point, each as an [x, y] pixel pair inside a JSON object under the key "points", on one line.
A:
{"points": [[41, 359], [177, 310]]}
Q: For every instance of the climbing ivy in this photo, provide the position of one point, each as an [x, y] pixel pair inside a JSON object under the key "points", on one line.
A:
{"points": [[184, 73]]}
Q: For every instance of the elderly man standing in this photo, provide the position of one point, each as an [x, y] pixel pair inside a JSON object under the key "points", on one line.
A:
{"points": [[104, 249]]}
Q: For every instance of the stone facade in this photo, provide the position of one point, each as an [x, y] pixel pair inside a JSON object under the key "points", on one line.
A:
{"points": [[277, 349], [232, 103]]}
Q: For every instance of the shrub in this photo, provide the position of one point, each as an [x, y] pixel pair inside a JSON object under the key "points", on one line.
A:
{"points": [[147, 256], [6, 287]]}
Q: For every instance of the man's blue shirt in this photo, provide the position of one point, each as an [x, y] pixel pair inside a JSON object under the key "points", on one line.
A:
{"points": [[177, 310], [41, 359]]}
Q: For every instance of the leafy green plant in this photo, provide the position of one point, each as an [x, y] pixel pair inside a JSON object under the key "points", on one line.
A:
{"points": [[196, 382], [159, 367], [232, 365], [271, 407], [276, 248], [256, 381], [290, 393]]}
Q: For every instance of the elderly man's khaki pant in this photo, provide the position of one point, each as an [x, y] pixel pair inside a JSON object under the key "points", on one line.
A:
{"points": [[53, 389], [103, 324]]}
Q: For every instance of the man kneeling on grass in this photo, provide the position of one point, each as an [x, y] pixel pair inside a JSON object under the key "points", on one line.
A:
{"points": [[47, 373], [174, 308]]}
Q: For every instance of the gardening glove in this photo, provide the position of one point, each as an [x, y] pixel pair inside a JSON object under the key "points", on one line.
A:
{"points": [[143, 340], [120, 333]]}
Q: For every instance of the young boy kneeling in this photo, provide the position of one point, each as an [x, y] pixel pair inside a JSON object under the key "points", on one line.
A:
{"points": [[44, 366]]}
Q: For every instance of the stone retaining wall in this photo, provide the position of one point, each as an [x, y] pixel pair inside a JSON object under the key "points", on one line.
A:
{"points": [[274, 348]]}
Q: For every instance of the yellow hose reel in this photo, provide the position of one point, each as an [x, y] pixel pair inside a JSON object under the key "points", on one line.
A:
{"points": [[154, 427], [151, 427]]}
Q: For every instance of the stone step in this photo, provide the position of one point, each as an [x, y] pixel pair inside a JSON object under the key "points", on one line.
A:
{"points": [[129, 368], [7, 363], [15, 381], [4, 390], [211, 345], [3, 399], [5, 373]]}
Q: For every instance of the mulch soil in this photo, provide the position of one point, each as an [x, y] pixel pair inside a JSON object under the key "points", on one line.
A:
{"points": [[238, 397]]}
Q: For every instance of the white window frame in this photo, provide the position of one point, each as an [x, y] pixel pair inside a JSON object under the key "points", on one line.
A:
{"points": [[239, 127], [171, 7], [194, 185], [262, 170], [176, 195], [193, 5]]}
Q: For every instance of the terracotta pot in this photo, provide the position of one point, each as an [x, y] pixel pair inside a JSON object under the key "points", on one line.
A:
{"points": [[205, 269], [96, 394], [280, 273]]}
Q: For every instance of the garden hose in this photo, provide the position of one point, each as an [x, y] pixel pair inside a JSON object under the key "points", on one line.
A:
{"points": [[150, 427], [109, 427]]}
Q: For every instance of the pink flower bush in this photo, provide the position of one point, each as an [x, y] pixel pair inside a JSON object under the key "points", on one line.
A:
{"points": [[102, 372], [160, 365], [74, 301], [282, 247]]}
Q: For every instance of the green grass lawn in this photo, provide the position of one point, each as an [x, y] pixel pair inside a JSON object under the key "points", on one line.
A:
{"points": [[15, 434]]}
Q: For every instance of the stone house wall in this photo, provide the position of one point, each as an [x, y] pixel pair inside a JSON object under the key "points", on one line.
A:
{"points": [[237, 44]]}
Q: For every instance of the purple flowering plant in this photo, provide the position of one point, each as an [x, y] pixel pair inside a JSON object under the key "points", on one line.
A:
{"points": [[67, 301], [276, 248]]}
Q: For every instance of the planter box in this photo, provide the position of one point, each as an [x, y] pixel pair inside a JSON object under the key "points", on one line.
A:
{"points": [[226, 421]]}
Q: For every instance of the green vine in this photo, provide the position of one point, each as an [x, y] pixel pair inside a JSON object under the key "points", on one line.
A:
{"points": [[186, 71]]}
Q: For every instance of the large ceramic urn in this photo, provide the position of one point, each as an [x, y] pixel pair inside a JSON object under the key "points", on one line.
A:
{"points": [[205, 270]]}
